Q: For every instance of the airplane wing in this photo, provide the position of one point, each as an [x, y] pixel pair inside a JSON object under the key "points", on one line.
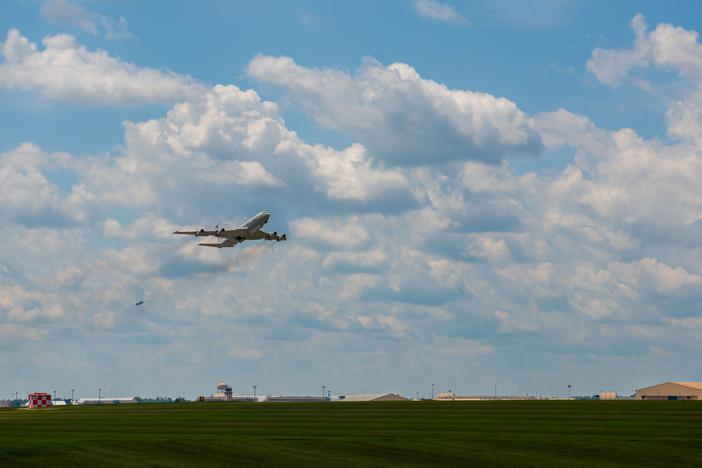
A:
{"points": [[226, 233], [226, 243], [201, 232], [267, 236]]}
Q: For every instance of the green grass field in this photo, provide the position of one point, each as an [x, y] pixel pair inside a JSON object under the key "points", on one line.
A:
{"points": [[503, 433]]}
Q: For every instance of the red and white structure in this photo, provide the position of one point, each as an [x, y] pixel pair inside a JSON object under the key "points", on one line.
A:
{"points": [[39, 400]]}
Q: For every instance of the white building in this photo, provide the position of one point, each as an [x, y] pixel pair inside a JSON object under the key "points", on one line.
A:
{"points": [[106, 401]]}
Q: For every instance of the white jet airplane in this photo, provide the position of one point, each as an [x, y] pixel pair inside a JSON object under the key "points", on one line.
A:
{"points": [[250, 230]]}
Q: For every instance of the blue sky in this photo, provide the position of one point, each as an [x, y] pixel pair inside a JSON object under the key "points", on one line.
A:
{"points": [[475, 192]]}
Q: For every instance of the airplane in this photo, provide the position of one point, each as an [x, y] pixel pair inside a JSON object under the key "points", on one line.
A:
{"points": [[250, 230], [139, 303]]}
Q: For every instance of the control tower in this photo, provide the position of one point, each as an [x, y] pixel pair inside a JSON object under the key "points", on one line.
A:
{"points": [[224, 391]]}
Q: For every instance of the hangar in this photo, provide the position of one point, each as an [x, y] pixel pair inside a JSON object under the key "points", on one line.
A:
{"points": [[671, 391], [372, 397]]}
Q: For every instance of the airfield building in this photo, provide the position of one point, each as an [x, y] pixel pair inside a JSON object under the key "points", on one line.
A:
{"points": [[671, 391], [224, 392], [451, 396], [372, 397], [295, 398], [106, 401], [39, 400]]}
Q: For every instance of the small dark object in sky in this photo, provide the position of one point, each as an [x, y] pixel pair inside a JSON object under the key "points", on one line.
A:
{"points": [[139, 303]]}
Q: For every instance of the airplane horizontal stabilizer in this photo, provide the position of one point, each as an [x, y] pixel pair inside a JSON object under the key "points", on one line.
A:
{"points": [[212, 245]]}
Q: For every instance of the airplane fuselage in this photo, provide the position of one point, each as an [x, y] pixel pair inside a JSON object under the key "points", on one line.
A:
{"points": [[256, 222]]}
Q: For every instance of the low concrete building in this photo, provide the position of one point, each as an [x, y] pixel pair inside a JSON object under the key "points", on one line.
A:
{"points": [[608, 395], [106, 401], [450, 396], [671, 391], [372, 397], [233, 399], [295, 399], [246, 398]]}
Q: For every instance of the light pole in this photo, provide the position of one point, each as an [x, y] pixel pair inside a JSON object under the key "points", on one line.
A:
{"points": [[72, 392], [100, 395], [569, 391], [432, 391], [254, 387], [323, 390]]}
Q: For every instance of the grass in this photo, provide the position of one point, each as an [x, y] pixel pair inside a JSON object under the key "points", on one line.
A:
{"points": [[502, 433]]}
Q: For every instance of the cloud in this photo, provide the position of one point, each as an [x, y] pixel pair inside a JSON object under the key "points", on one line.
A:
{"points": [[308, 20], [250, 173], [666, 46], [65, 12], [30, 198], [537, 14], [438, 11], [66, 71], [142, 227], [389, 261], [22, 305], [227, 146], [671, 286], [355, 261], [489, 249], [401, 117], [337, 233], [350, 176], [11, 332]]}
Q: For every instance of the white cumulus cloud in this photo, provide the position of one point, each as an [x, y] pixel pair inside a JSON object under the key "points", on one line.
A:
{"points": [[402, 117], [65, 70]]}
